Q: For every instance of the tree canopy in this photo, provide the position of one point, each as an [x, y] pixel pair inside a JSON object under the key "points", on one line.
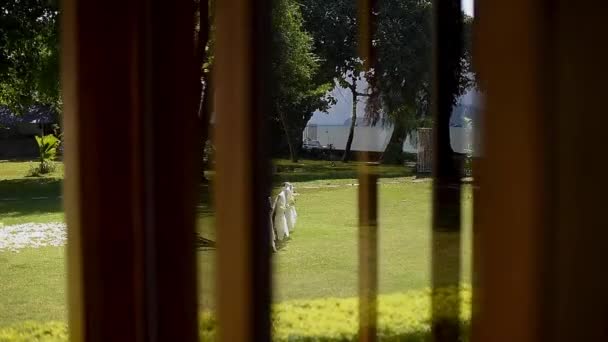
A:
{"points": [[313, 45], [29, 68], [29, 63], [298, 86], [400, 76]]}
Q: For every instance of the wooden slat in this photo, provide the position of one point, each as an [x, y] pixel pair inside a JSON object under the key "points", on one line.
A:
{"points": [[129, 170], [367, 193], [581, 121], [542, 224], [171, 155], [446, 218], [475, 245], [368, 252], [104, 234], [513, 223], [242, 170]]}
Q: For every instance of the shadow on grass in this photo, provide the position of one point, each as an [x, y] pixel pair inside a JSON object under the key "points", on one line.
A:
{"points": [[205, 230], [286, 171], [314, 170], [204, 206], [30, 196], [204, 244]]}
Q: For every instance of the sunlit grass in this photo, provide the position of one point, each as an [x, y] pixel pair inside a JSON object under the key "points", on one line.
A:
{"points": [[32, 285], [29, 199], [319, 261], [321, 258]]}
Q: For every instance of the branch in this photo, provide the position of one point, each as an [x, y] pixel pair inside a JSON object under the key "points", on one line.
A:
{"points": [[351, 86]]}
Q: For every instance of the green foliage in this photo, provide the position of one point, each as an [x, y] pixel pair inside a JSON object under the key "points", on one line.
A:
{"points": [[47, 150], [29, 62], [33, 331], [297, 89], [402, 75], [333, 26], [47, 146], [399, 77], [401, 317], [41, 169], [399, 83]]}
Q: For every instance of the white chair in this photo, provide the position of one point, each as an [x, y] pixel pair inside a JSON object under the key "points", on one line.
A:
{"points": [[273, 236]]}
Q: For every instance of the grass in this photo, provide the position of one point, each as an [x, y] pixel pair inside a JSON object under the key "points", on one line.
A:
{"points": [[32, 285], [319, 261], [29, 199], [321, 258], [310, 170], [403, 316]]}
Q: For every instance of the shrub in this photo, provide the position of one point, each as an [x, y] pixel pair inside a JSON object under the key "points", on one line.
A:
{"points": [[47, 147], [42, 168], [47, 150], [401, 317], [32, 331]]}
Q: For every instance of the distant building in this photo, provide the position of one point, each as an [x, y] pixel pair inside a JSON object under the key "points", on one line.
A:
{"points": [[29, 123], [17, 131]]}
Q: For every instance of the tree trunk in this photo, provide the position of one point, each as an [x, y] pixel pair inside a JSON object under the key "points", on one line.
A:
{"points": [[393, 154], [351, 132], [204, 111], [205, 107], [204, 118], [292, 150]]}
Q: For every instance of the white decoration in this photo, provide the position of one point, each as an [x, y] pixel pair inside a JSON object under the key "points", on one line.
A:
{"points": [[273, 236], [290, 212], [279, 220]]}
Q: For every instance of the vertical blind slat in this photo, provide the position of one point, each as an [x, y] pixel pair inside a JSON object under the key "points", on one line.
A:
{"points": [[367, 194], [124, 198], [446, 216], [242, 171], [512, 226]]}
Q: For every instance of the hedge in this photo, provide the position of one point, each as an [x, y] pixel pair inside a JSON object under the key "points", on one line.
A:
{"points": [[401, 317]]}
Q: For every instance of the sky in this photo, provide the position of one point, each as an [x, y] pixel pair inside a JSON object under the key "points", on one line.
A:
{"points": [[467, 7]]}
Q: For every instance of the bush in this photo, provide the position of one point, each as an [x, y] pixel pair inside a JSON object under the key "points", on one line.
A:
{"points": [[32, 331], [47, 150], [402, 317], [42, 168]]}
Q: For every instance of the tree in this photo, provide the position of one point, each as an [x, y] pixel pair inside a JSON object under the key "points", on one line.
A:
{"points": [[203, 51], [400, 76], [29, 71], [29, 62], [333, 25], [355, 77], [296, 92], [406, 107], [402, 71], [298, 89]]}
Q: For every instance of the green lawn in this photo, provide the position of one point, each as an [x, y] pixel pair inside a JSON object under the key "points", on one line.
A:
{"points": [[319, 261], [312, 170], [29, 199]]}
